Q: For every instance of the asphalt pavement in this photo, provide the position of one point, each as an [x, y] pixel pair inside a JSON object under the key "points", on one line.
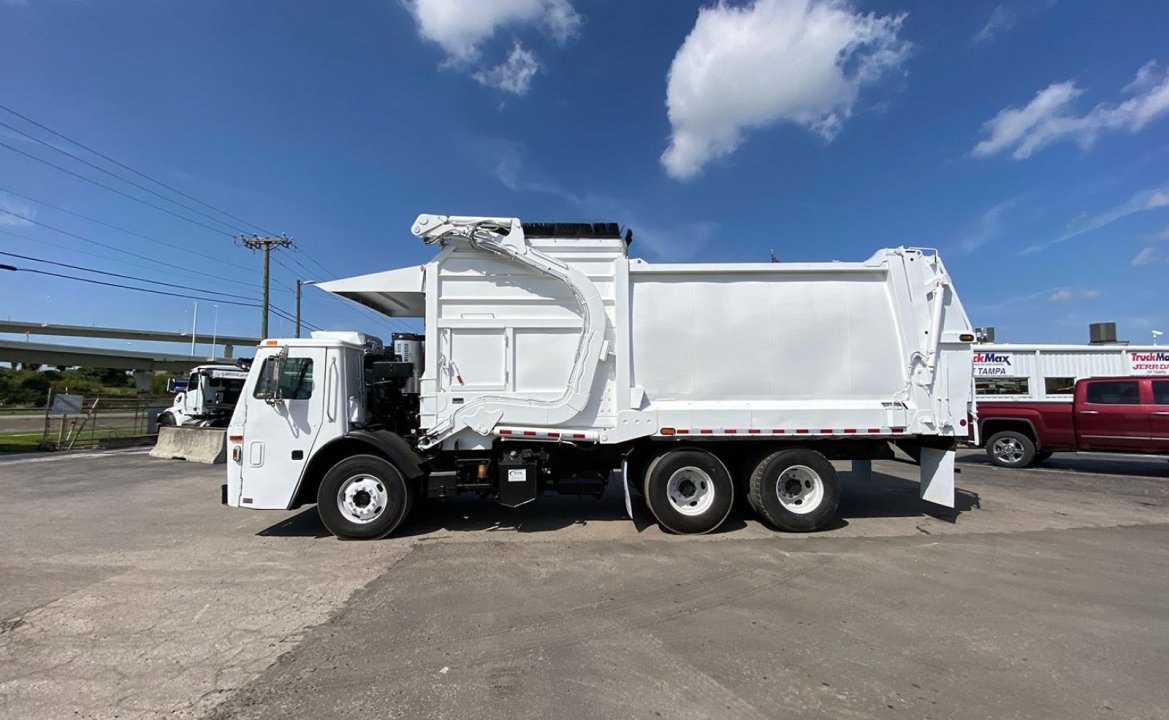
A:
{"points": [[127, 591]]}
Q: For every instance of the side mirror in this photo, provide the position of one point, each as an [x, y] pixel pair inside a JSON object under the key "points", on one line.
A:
{"points": [[273, 371], [170, 385]]}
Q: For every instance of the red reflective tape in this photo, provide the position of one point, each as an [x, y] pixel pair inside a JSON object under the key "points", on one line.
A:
{"points": [[850, 431], [529, 433], [825, 431], [898, 430], [778, 431], [681, 431], [578, 436], [753, 431], [505, 432], [730, 432], [553, 434], [706, 431], [802, 431]]}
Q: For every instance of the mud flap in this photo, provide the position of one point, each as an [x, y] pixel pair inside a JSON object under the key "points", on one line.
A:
{"points": [[937, 476], [625, 484]]}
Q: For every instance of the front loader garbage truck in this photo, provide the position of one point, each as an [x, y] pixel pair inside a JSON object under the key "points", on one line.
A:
{"points": [[551, 361]]}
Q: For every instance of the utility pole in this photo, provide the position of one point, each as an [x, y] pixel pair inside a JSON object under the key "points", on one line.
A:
{"points": [[298, 307], [255, 242]]}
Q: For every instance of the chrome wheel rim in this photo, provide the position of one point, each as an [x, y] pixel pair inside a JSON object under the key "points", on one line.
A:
{"points": [[1008, 450]]}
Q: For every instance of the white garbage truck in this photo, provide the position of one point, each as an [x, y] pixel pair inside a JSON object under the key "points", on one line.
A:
{"points": [[552, 361], [206, 398]]}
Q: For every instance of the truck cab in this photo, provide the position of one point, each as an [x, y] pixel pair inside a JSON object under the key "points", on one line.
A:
{"points": [[206, 397], [1125, 414]]}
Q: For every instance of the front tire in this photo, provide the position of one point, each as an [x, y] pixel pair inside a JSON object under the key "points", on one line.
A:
{"points": [[689, 491], [364, 497], [166, 419], [1010, 449], [795, 490]]}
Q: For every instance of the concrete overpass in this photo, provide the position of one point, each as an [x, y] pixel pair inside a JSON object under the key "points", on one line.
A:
{"points": [[19, 351], [51, 329]]}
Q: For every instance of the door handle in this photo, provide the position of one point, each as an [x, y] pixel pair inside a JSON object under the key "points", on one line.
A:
{"points": [[1161, 412], [1089, 412]]}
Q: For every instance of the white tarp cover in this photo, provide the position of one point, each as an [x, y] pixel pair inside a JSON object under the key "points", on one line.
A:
{"points": [[398, 293]]}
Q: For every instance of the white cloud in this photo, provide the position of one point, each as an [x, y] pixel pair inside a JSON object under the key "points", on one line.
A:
{"points": [[513, 75], [15, 213], [1049, 117], [798, 61], [1064, 295], [460, 27], [1140, 202], [988, 227], [1146, 256], [1001, 19]]}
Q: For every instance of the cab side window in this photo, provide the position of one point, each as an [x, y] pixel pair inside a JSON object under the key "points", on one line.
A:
{"points": [[295, 382], [1119, 392], [1161, 392]]}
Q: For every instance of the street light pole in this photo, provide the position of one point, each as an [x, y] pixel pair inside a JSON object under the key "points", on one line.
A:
{"points": [[215, 330]]}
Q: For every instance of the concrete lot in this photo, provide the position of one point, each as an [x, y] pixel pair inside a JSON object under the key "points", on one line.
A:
{"points": [[127, 591]]}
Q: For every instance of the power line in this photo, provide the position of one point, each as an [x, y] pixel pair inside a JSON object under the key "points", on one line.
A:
{"points": [[39, 242], [112, 174], [119, 275], [136, 172], [94, 242], [124, 287], [115, 190], [58, 208], [175, 246]]}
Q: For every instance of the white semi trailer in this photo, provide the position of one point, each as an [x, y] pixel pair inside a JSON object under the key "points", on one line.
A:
{"points": [[553, 361]]}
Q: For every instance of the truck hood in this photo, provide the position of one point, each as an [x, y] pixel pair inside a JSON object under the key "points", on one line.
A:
{"points": [[397, 293]]}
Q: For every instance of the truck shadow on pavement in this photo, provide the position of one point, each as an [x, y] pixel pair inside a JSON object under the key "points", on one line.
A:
{"points": [[884, 496]]}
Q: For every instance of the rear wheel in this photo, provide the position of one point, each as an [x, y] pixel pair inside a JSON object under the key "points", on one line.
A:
{"points": [[796, 490], [364, 497], [689, 491], [1010, 449]]}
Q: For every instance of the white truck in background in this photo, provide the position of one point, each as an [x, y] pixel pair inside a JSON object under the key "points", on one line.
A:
{"points": [[553, 361], [206, 398]]}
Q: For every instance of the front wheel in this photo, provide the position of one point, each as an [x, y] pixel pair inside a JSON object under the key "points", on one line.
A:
{"points": [[1010, 449], [364, 497], [795, 490], [166, 419]]}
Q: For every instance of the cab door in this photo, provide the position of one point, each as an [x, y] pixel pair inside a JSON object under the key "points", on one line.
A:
{"points": [[1112, 416], [1159, 417], [285, 409]]}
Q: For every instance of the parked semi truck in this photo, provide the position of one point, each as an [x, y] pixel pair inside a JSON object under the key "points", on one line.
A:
{"points": [[551, 361], [1124, 414], [207, 397]]}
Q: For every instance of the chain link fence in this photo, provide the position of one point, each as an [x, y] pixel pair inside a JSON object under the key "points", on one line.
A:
{"points": [[93, 422]]}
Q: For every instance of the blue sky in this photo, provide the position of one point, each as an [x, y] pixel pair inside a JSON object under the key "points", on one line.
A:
{"points": [[1027, 140]]}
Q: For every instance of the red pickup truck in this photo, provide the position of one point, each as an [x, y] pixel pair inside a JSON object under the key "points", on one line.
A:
{"points": [[1107, 414]]}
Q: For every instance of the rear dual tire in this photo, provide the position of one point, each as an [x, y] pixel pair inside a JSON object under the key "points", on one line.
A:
{"points": [[689, 491], [795, 490]]}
